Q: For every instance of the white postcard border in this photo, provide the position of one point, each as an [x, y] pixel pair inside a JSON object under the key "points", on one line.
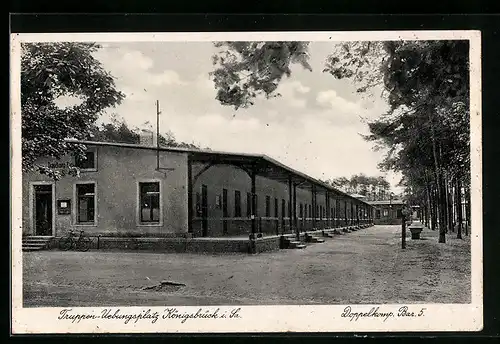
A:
{"points": [[323, 318]]}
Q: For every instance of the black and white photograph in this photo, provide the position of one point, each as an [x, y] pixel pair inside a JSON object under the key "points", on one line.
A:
{"points": [[232, 182]]}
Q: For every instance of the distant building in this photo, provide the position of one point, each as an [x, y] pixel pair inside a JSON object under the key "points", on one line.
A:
{"points": [[358, 196], [387, 212]]}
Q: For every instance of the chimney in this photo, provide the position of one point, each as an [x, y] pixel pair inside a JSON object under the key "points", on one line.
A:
{"points": [[147, 138]]}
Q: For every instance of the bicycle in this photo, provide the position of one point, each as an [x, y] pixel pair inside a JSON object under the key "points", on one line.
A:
{"points": [[81, 244]]}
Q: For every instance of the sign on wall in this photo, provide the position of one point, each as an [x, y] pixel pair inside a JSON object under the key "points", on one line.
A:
{"points": [[63, 206]]}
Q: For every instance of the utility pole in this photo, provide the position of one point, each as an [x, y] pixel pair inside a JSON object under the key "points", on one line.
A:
{"points": [[157, 134], [405, 212]]}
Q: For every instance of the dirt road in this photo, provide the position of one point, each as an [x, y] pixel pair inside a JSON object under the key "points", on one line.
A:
{"points": [[367, 266]]}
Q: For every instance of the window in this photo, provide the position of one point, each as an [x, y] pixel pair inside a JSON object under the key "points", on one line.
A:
{"points": [[283, 208], [86, 203], [386, 212], [305, 211], [88, 162], [276, 207], [224, 203], [288, 208], [237, 203], [399, 214], [310, 210], [331, 213], [377, 214], [249, 204], [198, 205], [301, 211], [268, 206], [149, 202]]}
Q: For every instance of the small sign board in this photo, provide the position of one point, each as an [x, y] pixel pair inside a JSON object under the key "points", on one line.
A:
{"points": [[63, 206]]}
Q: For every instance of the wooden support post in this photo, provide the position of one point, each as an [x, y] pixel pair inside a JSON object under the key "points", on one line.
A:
{"points": [[313, 213], [403, 232], [254, 202], [190, 193], [357, 214], [295, 225], [290, 202], [345, 211], [337, 212], [327, 209]]}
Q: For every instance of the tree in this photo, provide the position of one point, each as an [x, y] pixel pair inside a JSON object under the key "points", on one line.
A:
{"points": [[426, 130], [114, 131], [364, 183], [50, 71], [246, 70], [117, 130]]}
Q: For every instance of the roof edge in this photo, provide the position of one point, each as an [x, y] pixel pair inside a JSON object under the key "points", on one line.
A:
{"points": [[204, 151]]}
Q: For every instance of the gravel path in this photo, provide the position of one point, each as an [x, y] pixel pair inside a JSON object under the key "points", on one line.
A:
{"points": [[366, 266]]}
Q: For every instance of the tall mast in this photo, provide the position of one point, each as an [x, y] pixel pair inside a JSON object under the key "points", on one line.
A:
{"points": [[157, 134]]}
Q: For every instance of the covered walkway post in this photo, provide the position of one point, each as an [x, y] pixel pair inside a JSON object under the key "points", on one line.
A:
{"points": [[290, 202], [327, 209], [296, 227], [190, 193], [254, 201], [313, 195], [345, 211]]}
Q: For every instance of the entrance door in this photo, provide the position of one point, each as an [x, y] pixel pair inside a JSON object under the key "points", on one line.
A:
{"points": [[43, 210], [204, 211]]}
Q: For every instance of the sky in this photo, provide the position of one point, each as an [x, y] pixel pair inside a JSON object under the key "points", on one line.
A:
{"points": [[314, 127]]}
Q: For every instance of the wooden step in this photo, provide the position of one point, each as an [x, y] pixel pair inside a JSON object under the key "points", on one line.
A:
{"points": [[35, 243], [295, 244], [42, 241], [29, 249]]}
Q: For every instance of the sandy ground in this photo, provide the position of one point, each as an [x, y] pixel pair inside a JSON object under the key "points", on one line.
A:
{"points": [[367, 266]]}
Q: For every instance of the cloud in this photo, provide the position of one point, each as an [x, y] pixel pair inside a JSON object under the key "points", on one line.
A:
{"points": [[137, 59], [167, 77], [297, 103], [292, 88], [330, 99]]}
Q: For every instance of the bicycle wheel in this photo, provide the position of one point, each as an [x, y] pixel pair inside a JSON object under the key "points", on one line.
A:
{"points": [[83, 244], [65, 244]]}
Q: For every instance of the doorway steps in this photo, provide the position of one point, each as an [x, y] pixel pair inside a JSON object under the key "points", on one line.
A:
{"points": [[295, 244], [310, 238], [36, 243]]}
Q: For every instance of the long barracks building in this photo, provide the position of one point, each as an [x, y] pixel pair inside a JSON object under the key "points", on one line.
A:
{"points": [[136, 190]]}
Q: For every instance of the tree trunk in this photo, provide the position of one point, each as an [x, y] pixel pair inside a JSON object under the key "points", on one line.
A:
{"points": [[459, 207], [443, 218], [432, 201], [428, 207], [442, 236], [453, 196], [445, 202], [467, 210], [424, 211], [450, 205]]}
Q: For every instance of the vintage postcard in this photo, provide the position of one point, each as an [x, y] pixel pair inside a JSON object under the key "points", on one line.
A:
{"points": [[246, 182]]}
